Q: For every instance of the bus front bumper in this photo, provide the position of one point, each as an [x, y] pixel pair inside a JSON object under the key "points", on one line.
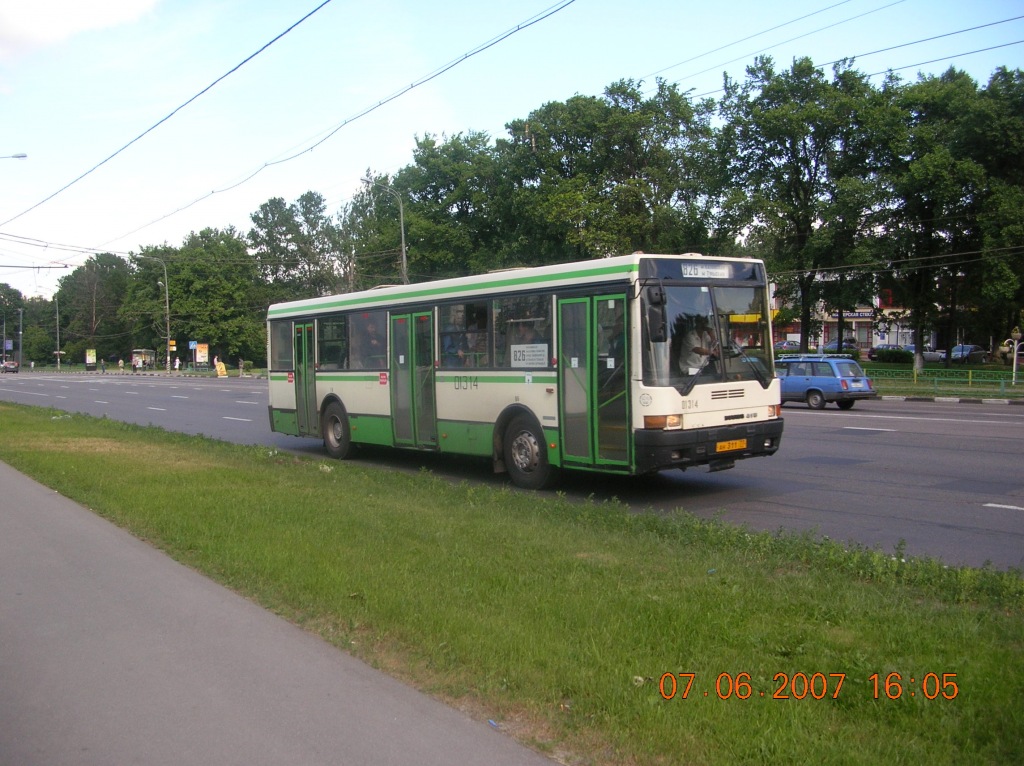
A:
{"points": [[718, 447]]}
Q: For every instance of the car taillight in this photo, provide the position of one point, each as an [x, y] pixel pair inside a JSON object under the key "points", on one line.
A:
{"points": [[844, 384]]}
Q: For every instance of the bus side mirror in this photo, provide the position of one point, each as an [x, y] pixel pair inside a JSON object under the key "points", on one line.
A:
{"points": [[656, 328]]}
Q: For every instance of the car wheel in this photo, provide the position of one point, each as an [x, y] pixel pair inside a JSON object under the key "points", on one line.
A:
{"points": [[526, 454], [846, 404], [815, 400], [335, 429]]}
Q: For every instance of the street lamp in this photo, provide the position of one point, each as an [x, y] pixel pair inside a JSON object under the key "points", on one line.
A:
{"points": [[1014, 343], [167, 310], [401, 224]]}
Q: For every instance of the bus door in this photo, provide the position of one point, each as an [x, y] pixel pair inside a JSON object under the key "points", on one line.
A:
{"points": [[305, 380], [593, 375], [413, 412]]}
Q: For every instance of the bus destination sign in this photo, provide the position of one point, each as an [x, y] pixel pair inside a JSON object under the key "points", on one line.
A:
{"points": [[692, 270]]}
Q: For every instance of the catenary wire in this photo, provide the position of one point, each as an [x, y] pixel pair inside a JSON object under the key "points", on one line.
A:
{"points": [[169, 116]]}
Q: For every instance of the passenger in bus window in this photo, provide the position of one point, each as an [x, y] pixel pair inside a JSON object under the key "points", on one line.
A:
{"points": [[476, 339], [373, 349], [526, 333], [368, 344], [453, 348]]}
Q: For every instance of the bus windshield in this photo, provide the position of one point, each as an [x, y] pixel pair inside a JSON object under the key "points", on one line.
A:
{"points": [[707, 334]]}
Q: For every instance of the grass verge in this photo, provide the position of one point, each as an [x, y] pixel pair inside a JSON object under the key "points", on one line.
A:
{"points": [[560, 620]]}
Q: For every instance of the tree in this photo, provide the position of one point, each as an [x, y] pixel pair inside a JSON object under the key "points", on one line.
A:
{"points": [[11, 301], [995, 138], [297, 247], [803, 149], [597, 176], [451, 190], [40, 328], [90, 301], [937, 195], [215, 292]]}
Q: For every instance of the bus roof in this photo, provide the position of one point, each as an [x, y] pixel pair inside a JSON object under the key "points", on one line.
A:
{"points": [[614, 269]]}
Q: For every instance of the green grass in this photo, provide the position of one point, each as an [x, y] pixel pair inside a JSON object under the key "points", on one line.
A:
{"points": [[558, 619]]}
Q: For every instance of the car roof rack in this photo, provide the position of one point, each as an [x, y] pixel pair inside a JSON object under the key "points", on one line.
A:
{"points": [[817, 356]]}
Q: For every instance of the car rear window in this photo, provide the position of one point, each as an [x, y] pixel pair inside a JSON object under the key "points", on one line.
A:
{"points": [[849, 370]]}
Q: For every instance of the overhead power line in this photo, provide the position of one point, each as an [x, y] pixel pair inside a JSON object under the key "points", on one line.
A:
{"points": [[551, 11], [169, 116]]}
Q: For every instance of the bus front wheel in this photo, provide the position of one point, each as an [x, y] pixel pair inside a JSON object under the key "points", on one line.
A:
{"points": [[334, 427], [526, 454]]}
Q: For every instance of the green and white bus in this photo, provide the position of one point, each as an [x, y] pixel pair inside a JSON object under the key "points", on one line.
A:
{"points": [[628, 365]]}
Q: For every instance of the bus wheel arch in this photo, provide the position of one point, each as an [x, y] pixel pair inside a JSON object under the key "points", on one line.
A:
{"points": [[337, 433], [524, 452]]}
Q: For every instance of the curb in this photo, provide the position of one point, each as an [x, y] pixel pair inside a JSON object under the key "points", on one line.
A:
{"points": [[952, 400]]}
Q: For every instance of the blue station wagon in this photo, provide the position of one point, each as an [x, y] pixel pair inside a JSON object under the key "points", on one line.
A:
{"points": [[821, 378]]}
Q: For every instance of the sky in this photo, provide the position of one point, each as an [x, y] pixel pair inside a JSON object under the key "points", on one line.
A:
{"points": [[85, 89]]}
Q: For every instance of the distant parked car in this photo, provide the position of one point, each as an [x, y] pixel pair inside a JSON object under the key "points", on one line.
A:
{"points": [[968, 354], [873, 351], [831, 347], [929, 354], [787, 345], [9, 365]]}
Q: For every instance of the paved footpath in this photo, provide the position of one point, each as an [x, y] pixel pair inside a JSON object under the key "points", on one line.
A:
{"points": [[111, 653]]}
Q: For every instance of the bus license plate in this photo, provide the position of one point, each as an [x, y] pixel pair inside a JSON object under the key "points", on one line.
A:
{"points": [[731, 445]]}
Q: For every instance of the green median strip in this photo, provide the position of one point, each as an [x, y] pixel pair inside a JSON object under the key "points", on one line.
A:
{"points": [[587, 630]]}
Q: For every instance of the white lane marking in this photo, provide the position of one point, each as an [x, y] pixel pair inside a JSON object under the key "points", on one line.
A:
{"points": [[241, 420], [178, 396], [1010, 419], [1007, 507], [158, 409], [30, 393], [865, 428], [239, 401], [98, 401]]}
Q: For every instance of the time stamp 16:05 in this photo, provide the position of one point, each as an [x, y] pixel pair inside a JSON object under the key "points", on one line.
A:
{"points": [[817, 686]]}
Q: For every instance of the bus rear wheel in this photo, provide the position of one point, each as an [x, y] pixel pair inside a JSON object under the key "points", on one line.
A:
{"points": [[337, 436], [526, 454]]}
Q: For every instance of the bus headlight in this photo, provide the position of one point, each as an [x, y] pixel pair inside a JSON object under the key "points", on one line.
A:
{"points": [[662, 422]]}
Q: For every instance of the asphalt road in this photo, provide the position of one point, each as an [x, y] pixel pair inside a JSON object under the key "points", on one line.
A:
{"points": [[111, 653], [939, 479]]}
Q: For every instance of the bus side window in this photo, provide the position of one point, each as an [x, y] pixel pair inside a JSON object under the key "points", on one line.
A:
{"points": [[333, 339], [281, 345], [523, 331], [367, 340]]}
